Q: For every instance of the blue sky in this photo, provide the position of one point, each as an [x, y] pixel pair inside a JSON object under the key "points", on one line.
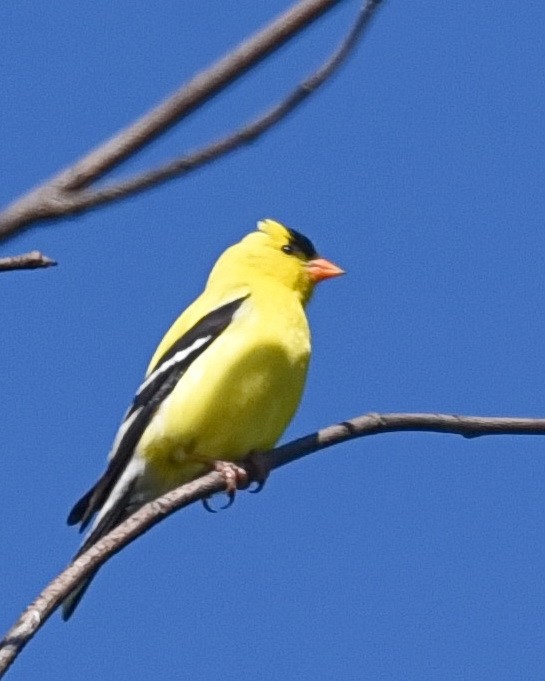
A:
{"points": [[419, 169]]}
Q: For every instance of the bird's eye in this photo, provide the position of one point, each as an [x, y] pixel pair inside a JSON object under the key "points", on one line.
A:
{"points": [[288, 249]]}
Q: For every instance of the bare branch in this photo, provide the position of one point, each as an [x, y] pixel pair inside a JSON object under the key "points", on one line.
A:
{"points": [[26, 261], [65, 194], [152, 513], [83, 200]]}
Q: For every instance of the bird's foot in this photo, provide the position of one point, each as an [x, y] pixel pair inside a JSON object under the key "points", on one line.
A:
{"points": [[235, 478], [258, 468]]}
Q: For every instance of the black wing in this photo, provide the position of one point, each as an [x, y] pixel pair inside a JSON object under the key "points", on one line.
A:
{"points": [[157, 386]]}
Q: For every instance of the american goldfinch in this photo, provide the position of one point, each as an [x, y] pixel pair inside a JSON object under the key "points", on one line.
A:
{"points": [[224, 382]]}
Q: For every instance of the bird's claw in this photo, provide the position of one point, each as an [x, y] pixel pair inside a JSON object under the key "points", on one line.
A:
{"points": [[256, 471], [235, 478], [260, 484], [206, 503], [208, 507]]}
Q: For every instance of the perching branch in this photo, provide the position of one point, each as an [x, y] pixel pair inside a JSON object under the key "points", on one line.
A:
{"points": [[26, 261], [68, 193], [152, 513]]}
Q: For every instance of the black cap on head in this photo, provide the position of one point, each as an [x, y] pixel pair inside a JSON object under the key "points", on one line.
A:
{"points": [[300, 243]]}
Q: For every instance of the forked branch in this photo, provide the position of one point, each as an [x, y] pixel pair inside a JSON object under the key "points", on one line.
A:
{"points": [[69, 192]]}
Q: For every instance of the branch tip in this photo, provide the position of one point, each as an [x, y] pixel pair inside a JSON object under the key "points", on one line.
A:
{"points": [[27, 261]]}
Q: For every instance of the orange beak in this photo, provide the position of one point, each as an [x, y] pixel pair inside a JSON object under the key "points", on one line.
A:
{"points": [[320, 269]]}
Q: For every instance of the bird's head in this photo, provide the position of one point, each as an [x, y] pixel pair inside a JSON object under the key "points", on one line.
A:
{"points": [[276, 252]]}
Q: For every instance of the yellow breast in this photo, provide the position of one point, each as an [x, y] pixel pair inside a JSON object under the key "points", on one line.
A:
{"points": [[238, 396]]}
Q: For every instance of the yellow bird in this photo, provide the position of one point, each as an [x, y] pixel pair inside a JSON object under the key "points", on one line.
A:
{"points": [[224, 382]]}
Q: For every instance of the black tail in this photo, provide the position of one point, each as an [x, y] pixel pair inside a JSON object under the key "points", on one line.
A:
{"points": [[114, 517], [71, 602]]}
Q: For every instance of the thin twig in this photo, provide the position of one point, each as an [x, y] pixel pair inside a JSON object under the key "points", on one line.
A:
{"points": [[59, 196], [82, 200], [152, 513], [26, 261]]}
